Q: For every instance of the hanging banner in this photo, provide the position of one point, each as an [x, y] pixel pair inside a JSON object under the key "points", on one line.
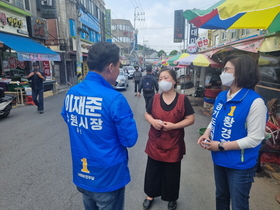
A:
{"points": [[37, 57], [46, 68], [249, 46], [179, 26]]}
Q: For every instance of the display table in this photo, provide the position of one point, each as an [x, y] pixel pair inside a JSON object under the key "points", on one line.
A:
{"points": [[20, 93]]}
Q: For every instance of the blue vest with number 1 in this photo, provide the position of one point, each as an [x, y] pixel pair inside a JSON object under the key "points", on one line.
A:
{"points": [[229, 124]]}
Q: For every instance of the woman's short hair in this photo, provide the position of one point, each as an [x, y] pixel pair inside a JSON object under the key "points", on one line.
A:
{"points": [[102, 54], [172, 74], [246, 70]]}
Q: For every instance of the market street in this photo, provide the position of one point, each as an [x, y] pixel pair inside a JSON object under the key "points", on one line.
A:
{"points": [[36, 174]]}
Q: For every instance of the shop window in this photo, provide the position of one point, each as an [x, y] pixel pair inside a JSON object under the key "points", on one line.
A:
{"points": [[245, 32], [27, 5], [217, 39], [224, 36], [19, 3], [233, 34]]}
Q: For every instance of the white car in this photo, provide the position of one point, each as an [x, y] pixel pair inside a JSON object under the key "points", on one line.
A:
{"points": [[130, 70], [122, 80]]}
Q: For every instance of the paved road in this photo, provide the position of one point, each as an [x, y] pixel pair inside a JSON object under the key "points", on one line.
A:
{"points": [[35, 164]]}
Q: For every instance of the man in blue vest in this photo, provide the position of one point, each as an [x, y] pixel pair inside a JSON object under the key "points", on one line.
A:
{"points": [[101, 127]]}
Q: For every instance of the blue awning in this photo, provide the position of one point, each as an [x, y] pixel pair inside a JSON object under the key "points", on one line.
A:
{"points": [[27, 49]]}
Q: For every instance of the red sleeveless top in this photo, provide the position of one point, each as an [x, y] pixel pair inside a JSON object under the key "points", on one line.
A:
{"points": [[167, 146]]}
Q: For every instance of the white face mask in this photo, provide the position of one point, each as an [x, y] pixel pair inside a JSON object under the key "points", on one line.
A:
{"points": [[227, 78], [165, 85]]}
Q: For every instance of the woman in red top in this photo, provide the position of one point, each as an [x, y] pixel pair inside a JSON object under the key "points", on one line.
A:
{"points": [[168, 113]]}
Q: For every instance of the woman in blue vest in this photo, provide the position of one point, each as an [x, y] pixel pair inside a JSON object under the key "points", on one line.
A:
{"points": [[236, 131]]}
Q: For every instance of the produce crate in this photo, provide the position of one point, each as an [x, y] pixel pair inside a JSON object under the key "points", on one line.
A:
{"points": [[11, 87]]}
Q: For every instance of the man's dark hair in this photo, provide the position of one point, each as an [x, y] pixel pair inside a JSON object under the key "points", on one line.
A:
{"points": [[35, 64], [149, 68], [246, 70], [101, 54], [172, 74]]}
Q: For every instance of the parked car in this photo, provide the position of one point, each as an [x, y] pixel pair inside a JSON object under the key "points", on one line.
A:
{"points": [[122, 81], [130, 70]]}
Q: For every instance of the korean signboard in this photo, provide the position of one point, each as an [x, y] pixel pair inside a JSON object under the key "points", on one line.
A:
{"points": [[193, 35], [38, 27], [108, 29], [13, 23], [179, 26]]}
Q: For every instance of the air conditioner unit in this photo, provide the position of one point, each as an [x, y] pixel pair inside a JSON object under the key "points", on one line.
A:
{"points": [[47, 2]]}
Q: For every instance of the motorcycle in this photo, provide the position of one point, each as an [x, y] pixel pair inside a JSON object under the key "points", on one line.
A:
{"points": [[5, 103]]}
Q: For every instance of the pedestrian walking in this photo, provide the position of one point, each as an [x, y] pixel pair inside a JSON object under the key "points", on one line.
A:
{"points": [[136, 77], [37, 78], [236, 131], [149, 85], [168, 113], [101, 127]]}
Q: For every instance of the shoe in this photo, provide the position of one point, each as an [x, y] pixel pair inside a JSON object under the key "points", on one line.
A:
{"points": [[172, 205], [135, 94], [41, 111], [147, 204]]}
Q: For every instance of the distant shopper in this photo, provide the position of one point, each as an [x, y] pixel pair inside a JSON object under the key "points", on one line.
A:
{"points": [[101, 127], [149, 85], [235, 132], [37, 77], [137, 75]]}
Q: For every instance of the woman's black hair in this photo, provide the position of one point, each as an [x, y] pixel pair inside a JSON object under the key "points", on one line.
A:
{"points": [[246, 70], [172, 73]]}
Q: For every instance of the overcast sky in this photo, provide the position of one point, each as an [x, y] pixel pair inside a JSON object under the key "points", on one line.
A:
{"points": [[156, 29]]}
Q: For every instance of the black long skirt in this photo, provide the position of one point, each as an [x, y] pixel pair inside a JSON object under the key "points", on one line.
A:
{"points": [[162, 179]]}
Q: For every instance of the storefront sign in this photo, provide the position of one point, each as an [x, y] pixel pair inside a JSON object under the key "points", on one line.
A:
{"points": [[193, 35], [12, 62], [108, 25], [21, 64], [192, 48], [46, 68], [37, 57], [179, 26], [249, 46], [90, 21], [13, 23], [202, 42], [84, 46], [37, 27]]}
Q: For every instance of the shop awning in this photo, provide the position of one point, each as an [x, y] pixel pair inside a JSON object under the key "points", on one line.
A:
{"points": [[28, 49], [271, 44], [251, 44]]}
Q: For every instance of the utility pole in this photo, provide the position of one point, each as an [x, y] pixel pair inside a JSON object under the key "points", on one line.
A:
{"points": [[79, 56], [136, 17]]}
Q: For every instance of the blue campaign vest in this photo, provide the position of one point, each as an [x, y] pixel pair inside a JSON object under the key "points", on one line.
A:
{"points": [[101, 127], [229, 124]]}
